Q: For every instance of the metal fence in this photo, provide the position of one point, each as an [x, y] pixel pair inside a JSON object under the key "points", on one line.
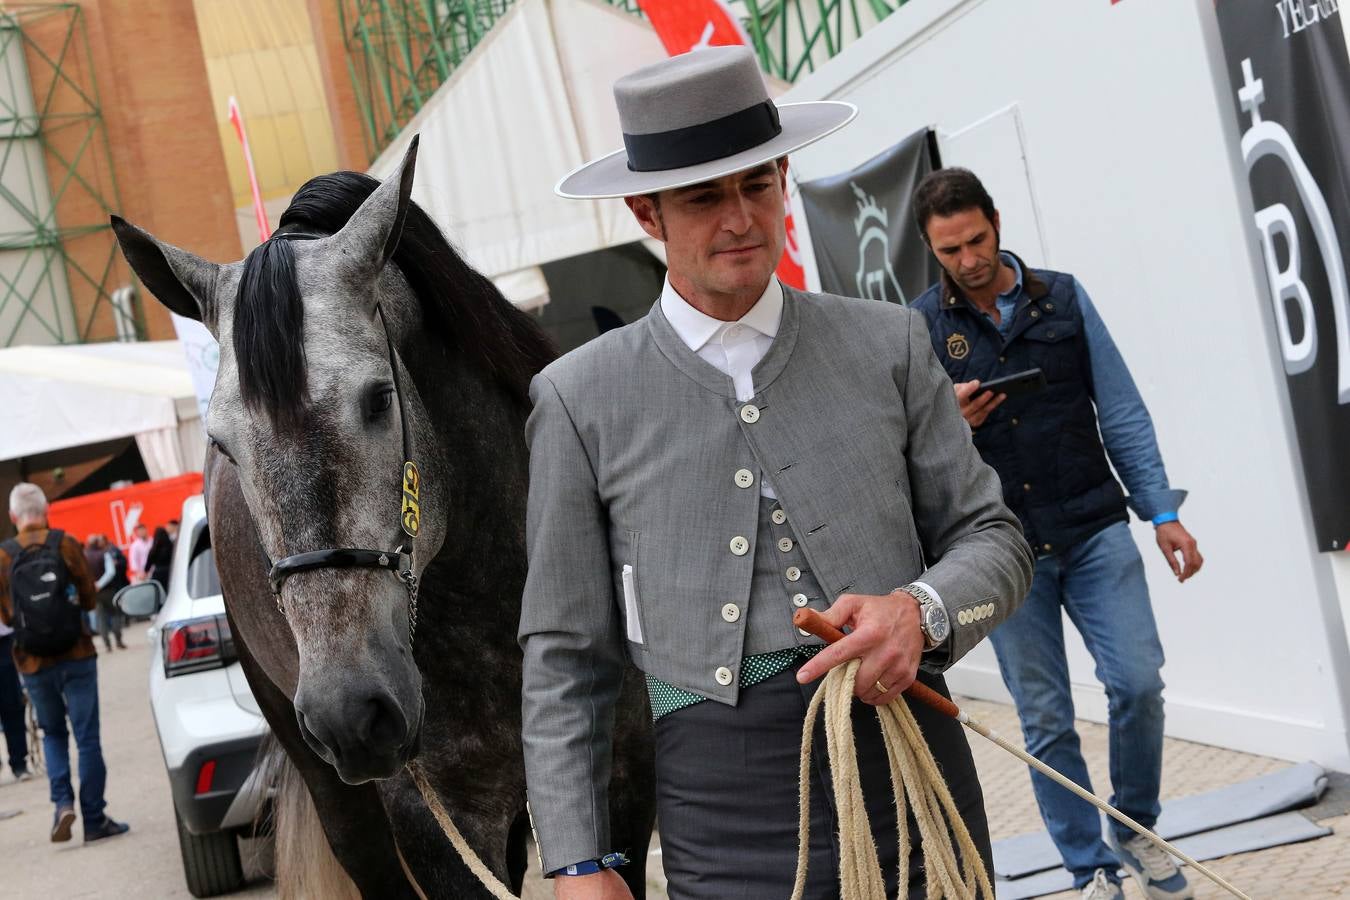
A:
{"points": [[400, 51]]}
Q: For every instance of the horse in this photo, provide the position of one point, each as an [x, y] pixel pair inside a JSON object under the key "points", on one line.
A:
{"points": [[366, 483]]}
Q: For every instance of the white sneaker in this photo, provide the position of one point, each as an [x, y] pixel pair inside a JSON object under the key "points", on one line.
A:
{"points": [[1102, 888], [1153, 867]]}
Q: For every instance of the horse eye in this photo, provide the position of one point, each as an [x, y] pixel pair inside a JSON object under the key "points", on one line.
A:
{"points": [[223, 452], [381, 400]]}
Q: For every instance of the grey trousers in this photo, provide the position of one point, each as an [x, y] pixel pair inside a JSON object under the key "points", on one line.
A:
{"points": [[727, 802]]}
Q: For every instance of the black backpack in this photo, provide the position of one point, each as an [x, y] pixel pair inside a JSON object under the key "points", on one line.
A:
{"points": [[47, 618]]}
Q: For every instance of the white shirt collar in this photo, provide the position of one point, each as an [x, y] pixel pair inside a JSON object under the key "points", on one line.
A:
{"points": [[696, 328]]}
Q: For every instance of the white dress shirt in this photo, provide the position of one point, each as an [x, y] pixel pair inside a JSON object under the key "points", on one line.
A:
{"points": [[733, 348]]}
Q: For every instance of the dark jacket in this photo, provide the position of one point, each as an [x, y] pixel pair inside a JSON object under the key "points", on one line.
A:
{"points": [[1046, 446]]}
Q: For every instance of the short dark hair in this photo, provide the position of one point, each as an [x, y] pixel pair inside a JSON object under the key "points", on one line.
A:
{"points": [[947, 192]]}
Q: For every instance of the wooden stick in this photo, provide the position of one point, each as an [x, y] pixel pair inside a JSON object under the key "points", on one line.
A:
{"points": [[815, 623]]}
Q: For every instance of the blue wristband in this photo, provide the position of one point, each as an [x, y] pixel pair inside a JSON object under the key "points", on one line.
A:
{"points": [[591, 866], [1164, 518]]}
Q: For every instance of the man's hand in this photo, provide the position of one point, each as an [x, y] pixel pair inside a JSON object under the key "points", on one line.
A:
{"points": [[1174, 540], [976, 406], [603, 885], [885, 635]]}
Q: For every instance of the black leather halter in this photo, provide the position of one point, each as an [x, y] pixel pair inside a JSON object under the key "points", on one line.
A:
{"points": [[400, 559]]}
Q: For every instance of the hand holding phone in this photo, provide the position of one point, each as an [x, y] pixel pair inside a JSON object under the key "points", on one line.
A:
{"points": [[1018, 384], [979, 399]]}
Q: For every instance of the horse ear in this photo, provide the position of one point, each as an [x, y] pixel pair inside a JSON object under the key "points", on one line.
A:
{"points": [[185, 283], [371, 236]]}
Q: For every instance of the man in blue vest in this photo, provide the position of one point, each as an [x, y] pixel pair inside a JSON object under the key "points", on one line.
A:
{"points": [[989, 316]]}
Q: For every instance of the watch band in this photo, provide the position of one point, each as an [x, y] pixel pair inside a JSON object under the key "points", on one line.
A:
{"points": [[925, 600]]}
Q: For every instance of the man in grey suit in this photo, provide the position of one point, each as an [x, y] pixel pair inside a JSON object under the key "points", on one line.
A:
{"points": [[743, 451]]}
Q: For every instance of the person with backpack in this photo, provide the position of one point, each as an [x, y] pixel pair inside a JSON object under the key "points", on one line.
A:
{"points": [[45, 586]]}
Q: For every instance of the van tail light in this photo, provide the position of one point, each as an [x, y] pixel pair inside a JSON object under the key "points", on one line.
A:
{"points": [[195, 644]]}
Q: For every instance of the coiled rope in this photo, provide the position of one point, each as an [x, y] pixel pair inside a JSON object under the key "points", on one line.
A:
{"points": [[855, 833], [918, 785]]}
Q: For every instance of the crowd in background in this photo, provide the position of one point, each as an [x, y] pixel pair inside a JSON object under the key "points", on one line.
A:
{"points": [[147, 559]]}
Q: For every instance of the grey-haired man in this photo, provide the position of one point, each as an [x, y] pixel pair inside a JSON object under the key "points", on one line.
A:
{"points": [[743, 451]]}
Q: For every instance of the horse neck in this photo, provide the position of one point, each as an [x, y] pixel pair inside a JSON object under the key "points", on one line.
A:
{"points": [[480, 431]]}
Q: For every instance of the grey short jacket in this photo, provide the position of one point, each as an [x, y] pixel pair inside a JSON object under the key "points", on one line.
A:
{"points": [[635, 445]]}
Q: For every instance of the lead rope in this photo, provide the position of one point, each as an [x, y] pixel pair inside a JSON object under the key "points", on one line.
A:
{"points": [[918, 786], [471, 859], [855, 834]]}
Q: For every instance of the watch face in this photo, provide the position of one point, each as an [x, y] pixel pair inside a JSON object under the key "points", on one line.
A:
{"points": [[935, 618]]}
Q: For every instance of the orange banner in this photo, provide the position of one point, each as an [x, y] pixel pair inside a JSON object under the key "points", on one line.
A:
{"points": [[116, 513]]}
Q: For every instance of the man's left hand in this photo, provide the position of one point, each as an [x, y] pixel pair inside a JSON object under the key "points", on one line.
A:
{"points": [[1174, 540], [884, 634]]}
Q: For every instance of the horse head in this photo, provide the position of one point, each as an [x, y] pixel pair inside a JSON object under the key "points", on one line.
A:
{"points": [[314, 407]]}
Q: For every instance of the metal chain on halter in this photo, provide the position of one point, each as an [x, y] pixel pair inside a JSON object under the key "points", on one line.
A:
{"points": [[410, 582]]}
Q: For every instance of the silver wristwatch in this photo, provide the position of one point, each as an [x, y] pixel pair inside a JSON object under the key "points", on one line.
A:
{"points": [[933, 619]]}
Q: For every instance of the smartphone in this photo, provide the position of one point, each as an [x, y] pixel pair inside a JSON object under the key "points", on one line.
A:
{"points": [[1018, 384]]}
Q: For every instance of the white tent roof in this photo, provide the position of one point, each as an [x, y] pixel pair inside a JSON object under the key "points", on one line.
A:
{"points": [[67, 396], [532, 102]]}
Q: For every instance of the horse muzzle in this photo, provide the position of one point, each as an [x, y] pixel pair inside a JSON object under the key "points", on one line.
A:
{"points": [[363, 734]]}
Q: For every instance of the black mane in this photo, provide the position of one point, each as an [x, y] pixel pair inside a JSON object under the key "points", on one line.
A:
{"points": [[269, 345], [464, 307]]}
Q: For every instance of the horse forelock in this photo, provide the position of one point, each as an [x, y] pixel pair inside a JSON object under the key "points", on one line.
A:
{"points": [[461, 306], [268, 335]]}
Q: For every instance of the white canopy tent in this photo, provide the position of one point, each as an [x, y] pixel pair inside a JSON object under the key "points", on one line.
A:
{"points": [[532, 102], [72, 395]]}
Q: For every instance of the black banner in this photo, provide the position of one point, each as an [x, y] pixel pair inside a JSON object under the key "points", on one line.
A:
{"points": [[1290, 74], [862, 229]]}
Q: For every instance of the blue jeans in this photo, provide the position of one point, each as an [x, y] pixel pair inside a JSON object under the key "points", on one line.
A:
{"points": [[11, 708], [70, 689], [1100, 584]]}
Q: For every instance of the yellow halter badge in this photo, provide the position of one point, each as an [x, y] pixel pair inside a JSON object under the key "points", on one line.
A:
{"points": [[412, 508], [957, 346]]}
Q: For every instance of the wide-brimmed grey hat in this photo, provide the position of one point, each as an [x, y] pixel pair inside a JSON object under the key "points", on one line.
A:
{"points": [[695, 117]]}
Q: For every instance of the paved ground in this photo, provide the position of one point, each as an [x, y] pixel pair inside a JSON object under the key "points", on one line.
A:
{"points": [[145, 863], [142, 864]]}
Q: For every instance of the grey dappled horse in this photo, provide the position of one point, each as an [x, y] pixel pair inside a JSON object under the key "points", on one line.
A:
{"points": [[353, 341]]}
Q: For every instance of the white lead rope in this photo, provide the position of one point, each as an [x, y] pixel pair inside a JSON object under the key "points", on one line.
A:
{"points": [[976, 726], [471, 859]]}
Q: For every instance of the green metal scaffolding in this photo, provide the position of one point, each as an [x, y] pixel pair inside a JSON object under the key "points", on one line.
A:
{"points": [[400, 51], [58, 254]]}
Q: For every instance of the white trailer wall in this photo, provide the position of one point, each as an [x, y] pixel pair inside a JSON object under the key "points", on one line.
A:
{"points": [[1107, 135]]}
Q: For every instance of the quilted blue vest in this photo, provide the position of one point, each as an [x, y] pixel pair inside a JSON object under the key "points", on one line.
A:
{"points": [[1045, 447]]}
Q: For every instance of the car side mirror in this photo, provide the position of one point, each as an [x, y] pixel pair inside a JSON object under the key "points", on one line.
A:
{"points": [[142, 599]]}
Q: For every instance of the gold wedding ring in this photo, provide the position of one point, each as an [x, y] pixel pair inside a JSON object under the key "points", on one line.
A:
{"points": [[881, 687]]}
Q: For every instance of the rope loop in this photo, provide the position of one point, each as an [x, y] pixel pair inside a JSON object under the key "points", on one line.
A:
{"points": [[918, 785]]}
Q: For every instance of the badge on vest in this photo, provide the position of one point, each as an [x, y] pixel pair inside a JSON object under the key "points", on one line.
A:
{"points": [[957, 346]]}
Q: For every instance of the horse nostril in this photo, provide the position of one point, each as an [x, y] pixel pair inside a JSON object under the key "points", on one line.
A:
{"points": [[314, 733], [382, 723]]}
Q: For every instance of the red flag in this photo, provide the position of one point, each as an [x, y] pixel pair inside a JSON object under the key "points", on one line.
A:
{"points": [[684, 25], [259, 211]]}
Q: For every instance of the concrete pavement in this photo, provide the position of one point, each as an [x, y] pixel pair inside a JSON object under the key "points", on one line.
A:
{"points": [[145, 864]]}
